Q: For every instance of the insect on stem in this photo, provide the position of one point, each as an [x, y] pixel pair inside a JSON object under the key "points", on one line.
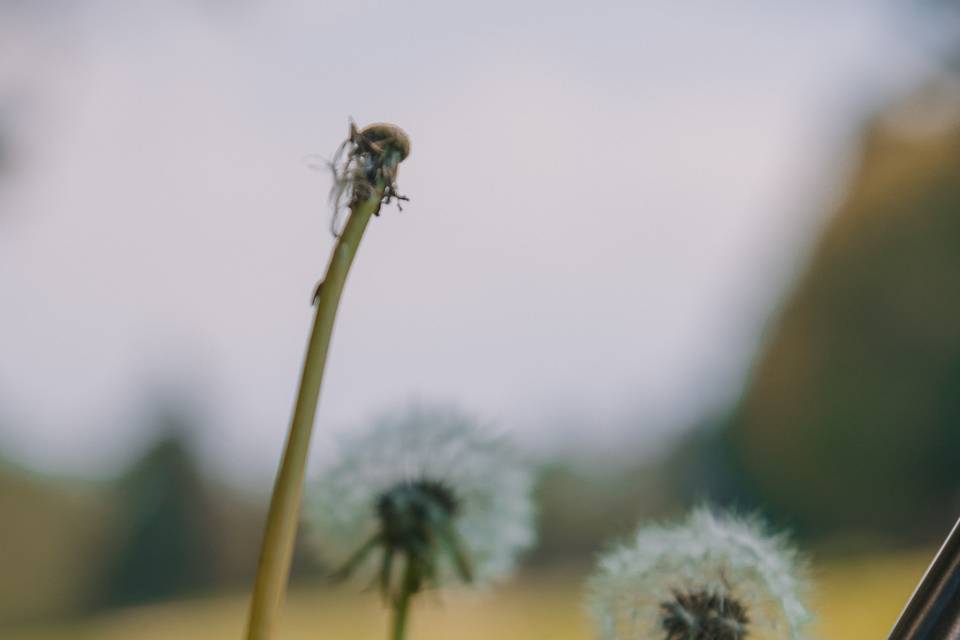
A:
{"points": [[365, 172]]}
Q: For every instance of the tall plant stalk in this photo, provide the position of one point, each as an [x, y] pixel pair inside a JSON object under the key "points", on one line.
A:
{"points": [[401, 604], [368, 175]]}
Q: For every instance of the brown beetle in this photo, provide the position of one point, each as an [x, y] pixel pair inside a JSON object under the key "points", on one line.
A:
{"points": [[366, 159], [380, 138]]}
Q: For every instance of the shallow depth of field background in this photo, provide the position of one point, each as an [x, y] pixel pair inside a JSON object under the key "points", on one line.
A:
{"points": [[679, 251]]}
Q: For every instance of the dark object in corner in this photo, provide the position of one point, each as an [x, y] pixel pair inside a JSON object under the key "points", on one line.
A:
{"points": [[933, 612]]}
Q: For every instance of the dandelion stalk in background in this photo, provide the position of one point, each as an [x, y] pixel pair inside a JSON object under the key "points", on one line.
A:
{"points": [[365, 170], [421, 500], [715, 577]]}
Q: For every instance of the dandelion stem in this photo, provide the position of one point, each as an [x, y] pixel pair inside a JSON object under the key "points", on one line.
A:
{"points": [[401, 605], [277, 548]]}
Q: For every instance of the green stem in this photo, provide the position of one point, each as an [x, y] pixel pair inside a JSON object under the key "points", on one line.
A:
{"points": [[278, 539], [401, 606]]}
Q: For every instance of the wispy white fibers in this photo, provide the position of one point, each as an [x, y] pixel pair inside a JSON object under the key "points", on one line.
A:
{"points": [[490, 484], [714, 576]]}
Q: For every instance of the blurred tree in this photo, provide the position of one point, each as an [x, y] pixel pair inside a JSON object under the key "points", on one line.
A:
{"points": [[165, 539], [851, 419]]}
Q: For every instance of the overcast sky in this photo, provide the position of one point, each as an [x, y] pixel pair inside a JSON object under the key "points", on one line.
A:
{"points": [[607, 202]]}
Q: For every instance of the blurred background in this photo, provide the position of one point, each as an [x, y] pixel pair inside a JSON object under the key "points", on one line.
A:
{"points": [[680, 251]]}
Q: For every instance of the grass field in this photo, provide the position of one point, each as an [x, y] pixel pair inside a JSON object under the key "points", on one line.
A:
{"points": [[854, 600]]}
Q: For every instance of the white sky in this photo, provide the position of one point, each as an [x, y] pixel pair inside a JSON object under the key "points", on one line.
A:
{"points": [[607, 202]]}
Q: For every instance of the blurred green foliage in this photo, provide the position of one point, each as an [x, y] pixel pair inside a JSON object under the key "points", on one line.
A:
{"points": [[584, 506], [850, 422], [164, 544], [160, 530]]}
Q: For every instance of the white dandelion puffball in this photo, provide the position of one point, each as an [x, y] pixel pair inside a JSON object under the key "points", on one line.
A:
{"points": [[715, 576], [475, 478]]}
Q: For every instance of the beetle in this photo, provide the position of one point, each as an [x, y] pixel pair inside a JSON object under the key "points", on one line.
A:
{"points": [[368, 157]]}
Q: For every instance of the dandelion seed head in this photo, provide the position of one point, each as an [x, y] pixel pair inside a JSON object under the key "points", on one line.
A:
{"points": [[713, 577], [429, 462]]}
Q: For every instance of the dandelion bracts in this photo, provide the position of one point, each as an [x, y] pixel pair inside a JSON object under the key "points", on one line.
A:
{"points": [[365, 170]]}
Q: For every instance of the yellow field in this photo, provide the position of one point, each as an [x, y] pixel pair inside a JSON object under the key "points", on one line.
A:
{"points": [[855, 600]]}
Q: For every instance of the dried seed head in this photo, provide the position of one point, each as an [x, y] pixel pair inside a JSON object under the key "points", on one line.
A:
{"points": [[366, 163]]}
